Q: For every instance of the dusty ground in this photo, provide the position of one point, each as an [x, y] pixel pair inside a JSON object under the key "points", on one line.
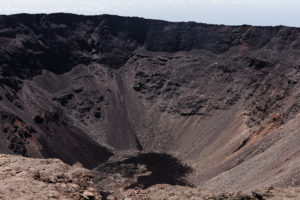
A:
{"points": [[23, 179], [26, 178], [161, 192]]}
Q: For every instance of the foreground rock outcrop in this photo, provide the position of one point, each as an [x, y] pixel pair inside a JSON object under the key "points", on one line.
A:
{"points": [[23, 179], [37, 179]]}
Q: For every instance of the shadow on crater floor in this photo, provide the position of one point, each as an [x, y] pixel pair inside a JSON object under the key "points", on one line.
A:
{"points": [[146, 170], [164, 168]]}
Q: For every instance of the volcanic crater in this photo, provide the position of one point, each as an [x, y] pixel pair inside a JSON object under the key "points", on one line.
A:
{"points": [[144, 102]]}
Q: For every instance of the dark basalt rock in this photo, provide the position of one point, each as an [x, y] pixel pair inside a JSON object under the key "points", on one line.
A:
{"points": [[17, 134], [97, 115], [64, 100], [38, 119]]}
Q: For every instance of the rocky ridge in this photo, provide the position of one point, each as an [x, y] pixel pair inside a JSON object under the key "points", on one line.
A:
{"points": [[24, 178]]}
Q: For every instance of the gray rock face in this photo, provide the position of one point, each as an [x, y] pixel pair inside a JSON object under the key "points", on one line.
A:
{"points": [[223, 100]]}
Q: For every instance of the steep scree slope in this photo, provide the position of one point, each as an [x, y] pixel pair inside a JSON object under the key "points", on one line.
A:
{"points": [[223, 99]]}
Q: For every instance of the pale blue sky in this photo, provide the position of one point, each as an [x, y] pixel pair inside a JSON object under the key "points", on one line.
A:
{"points": [[231, 12]]}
